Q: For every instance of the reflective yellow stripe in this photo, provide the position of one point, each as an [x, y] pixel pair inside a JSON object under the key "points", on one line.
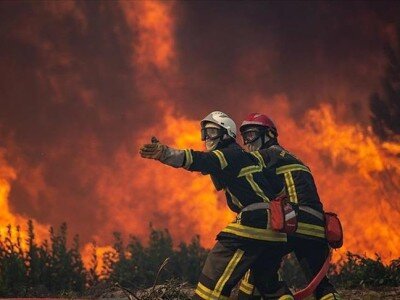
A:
{"points": [[330, 296], [245, 286], [227, 273], [188, 159], [235, 200], [248, 290], [260, 158], [255, 233], [291, 188], [249, 170], [309, 229], [203, 291], [286, 297], [291, 168], [256, 187], [221, 158], [246, 277]]}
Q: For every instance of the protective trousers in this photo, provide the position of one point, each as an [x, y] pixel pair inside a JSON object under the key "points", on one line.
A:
{"points": [[228, 262], [311, 255]]}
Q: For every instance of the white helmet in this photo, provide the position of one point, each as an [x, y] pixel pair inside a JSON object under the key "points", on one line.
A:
{"points": [[223, 120]]}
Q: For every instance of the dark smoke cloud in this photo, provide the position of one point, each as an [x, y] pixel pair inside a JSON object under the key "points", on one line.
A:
{"points": [[312, 51], [69, 94]]}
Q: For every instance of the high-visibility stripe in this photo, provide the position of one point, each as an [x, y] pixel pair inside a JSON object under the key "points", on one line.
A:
{"points": [[249, 170], [260, 158], [246, 277], [331, 296], [310, 229], [227, 274], [188, 159], [235, 200], [286, 297], [203, 291], [291, 188], [245, 286], [256, 188], [221, 158], [255, 233], [248, 290], [291, 168]]}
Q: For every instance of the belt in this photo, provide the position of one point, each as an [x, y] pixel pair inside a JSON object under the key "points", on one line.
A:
{"points": [[265, 205], [313, 212], [255, 206]]}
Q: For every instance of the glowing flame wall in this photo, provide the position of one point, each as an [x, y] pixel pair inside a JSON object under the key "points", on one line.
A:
{"points": [[84, 84]]}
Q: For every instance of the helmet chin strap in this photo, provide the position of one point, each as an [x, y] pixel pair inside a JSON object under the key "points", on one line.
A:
{"points": [[258, 143]]}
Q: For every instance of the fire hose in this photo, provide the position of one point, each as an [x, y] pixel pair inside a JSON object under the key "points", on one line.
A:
{"points": [[307, 291]]}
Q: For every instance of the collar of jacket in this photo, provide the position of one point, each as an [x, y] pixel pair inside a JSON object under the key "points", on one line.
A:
{"points": [[270, 143], [230, 144]]}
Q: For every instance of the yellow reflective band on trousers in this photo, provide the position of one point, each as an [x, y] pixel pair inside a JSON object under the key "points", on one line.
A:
{"points": [[291, 188], [311, 230], [291, 168], [255, 233], [221, 158], [235, 200], [203, 291], [260, 158], [256, 188], [245, 286], [227, 274], [286, 297], [188, 159], [331, 296]]}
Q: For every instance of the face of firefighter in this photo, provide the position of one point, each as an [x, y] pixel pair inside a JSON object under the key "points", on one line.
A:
{"points": [[211, 133], [254, 137]]}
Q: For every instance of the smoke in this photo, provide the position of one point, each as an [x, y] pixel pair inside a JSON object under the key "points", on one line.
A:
{"points": [[83, 84], [310, 51]]}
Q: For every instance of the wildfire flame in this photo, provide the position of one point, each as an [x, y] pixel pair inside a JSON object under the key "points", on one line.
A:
{"points": [[356, 175], [10, 221]]}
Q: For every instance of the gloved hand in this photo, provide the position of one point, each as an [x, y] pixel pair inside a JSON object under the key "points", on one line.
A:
{"points": [[155, 150]]}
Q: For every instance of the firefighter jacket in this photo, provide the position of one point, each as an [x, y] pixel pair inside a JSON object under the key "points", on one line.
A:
{"points": [[284, 170], [240, 175]]}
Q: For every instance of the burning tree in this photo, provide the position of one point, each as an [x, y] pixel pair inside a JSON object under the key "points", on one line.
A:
{"points": [[385, 108]]}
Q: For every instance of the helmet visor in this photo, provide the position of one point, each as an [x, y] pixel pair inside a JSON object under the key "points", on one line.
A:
{"points": [[211, 133], [252, 134]]}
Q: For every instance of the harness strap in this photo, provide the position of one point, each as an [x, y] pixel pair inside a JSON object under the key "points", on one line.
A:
{"points": [[255, 206], [312, 211]]}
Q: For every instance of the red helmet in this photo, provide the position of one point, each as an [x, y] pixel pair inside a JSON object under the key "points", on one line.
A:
{"points": [[259, 120]]}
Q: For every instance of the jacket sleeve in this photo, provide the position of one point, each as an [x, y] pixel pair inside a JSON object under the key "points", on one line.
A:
{"points": [[205, 162]]}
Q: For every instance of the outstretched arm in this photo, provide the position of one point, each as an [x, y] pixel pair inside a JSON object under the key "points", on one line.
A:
{"points": [[205, 162], [169, 156]]}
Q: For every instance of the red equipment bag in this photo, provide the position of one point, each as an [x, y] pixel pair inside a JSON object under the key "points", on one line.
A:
{"points": [[283, 217], [333, 230]]}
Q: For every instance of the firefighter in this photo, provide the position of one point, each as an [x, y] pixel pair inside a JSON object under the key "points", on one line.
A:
{"points": [[248, 240], [281, 168]]}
